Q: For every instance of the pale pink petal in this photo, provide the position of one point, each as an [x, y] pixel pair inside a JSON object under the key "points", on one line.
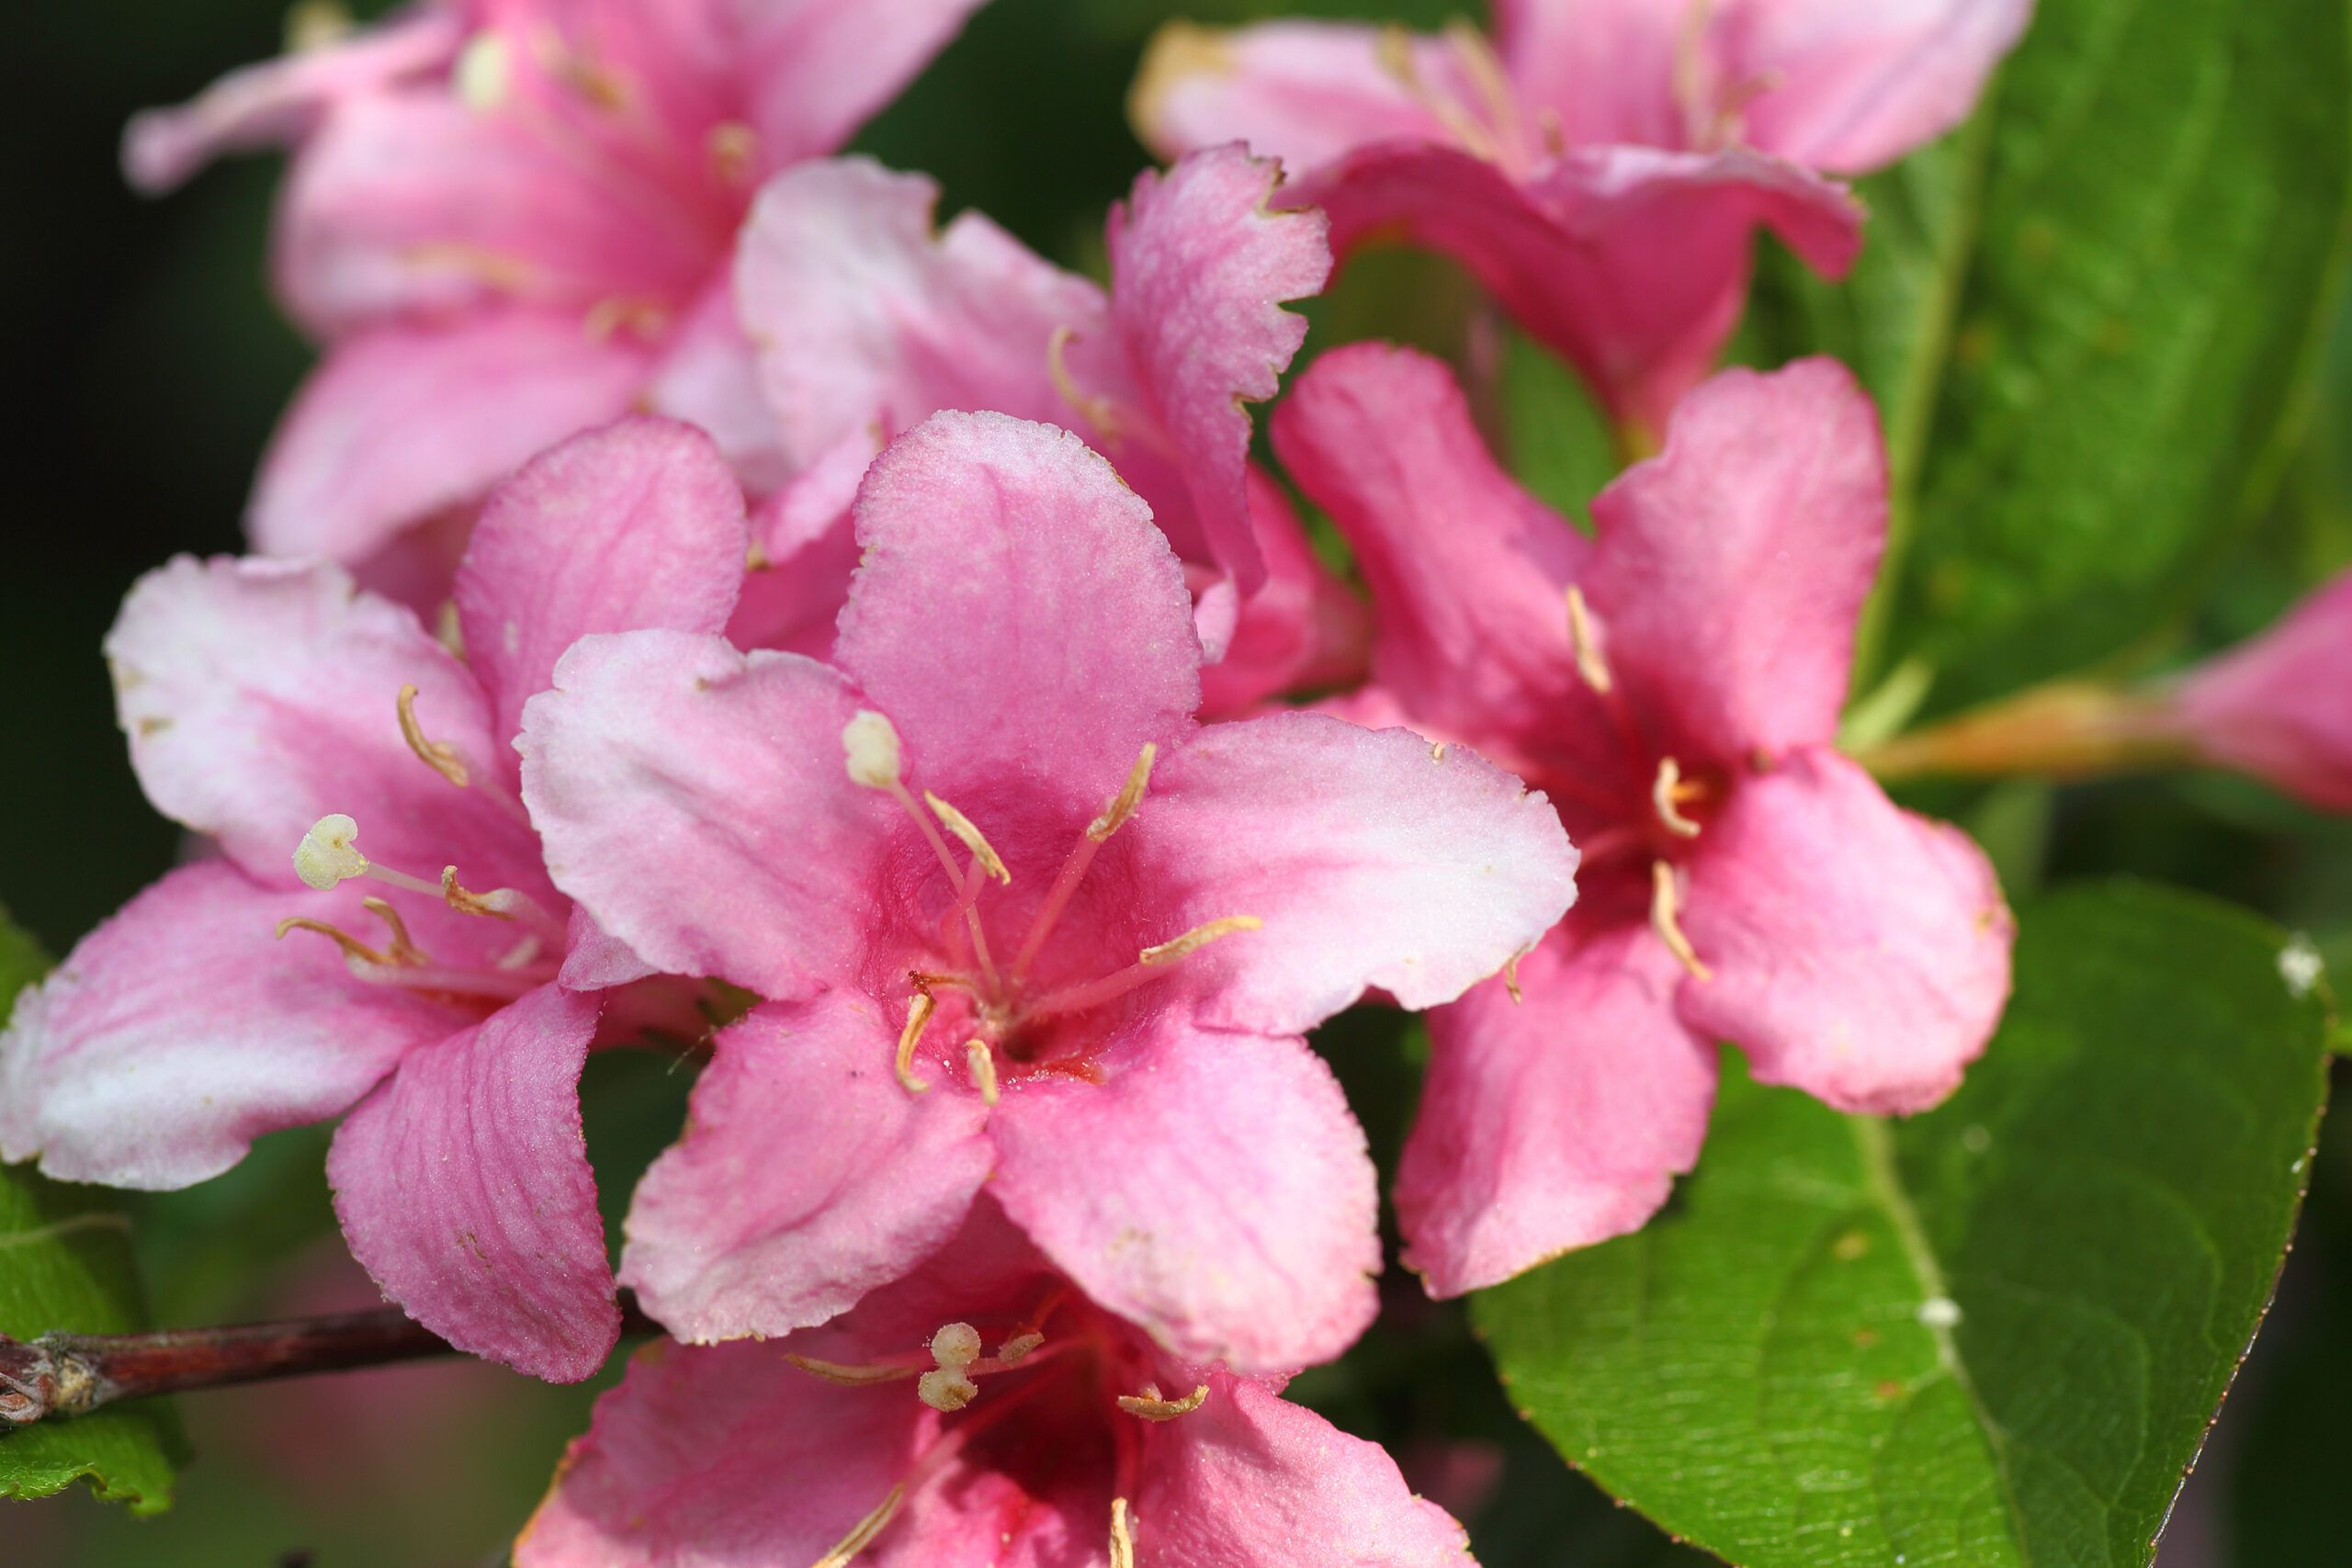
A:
{"points": [[1373, 858], [698, 801], [1200, 266], [1556, 1120], [1856, 951], [279, 100], [864, 318], [181, 1030], [463, 1186], [1017, 616], [1630, 261], [1468, 572], [1302, 630], [1301, 91], [808, 543], [403, 422], [1250, 1480], [1604, 71], [807, 1177], [2280, 706], [724, 1456], [818, 68], [1848, 88], [1212, 1188], [1732, 566], [709, 376], [635, 526], [260, 696]]}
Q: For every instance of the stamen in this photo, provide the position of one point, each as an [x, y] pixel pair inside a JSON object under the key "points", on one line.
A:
{"points": [[1488, 77], [982, 1062], [1123, 1544], [1122, 805], [439, 755], [481, 77], [955, 1345], [402, 949], [353, 948], [1586, 637], [946, 1388], [1152, 1408], [1017, 1349], [917, 1014], [502, 904], [1097, 410], [1198, 937], [1394, 51], [1510, 978], [1664, 791], [973, 840], [449, 630], [734, 151], [850, 1374], [862, 1537], [648, 319], [1663, 905], [329, 853]]}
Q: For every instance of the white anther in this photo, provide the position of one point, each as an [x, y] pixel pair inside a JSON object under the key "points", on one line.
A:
{"points": [[955, 1345], [872, 744], [946, 1388], [330, 852]]}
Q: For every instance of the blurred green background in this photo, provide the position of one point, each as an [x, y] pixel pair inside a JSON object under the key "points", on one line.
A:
{"points": [[153, 366]]}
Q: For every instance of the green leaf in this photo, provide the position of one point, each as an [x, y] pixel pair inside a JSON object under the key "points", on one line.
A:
{"points": [[65, 1263], [1992, 1335], [2089, 318]]}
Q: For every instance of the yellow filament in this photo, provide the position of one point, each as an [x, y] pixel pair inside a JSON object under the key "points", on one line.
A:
{"points": [[402, 949], [982, 1061], [352, 946], [848, 1375], [961, 826], [1667, 789], [1586, 636], [1198, 937], [1152, 1408], [1122, 1544], [1122, 805], [1511, 976], [1018, 1349], [917, 1014], [439, 755], [1096, 411], [862, 1537], [1670, 929]]}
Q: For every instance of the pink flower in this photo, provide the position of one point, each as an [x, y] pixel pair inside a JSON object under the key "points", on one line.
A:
{"points": [[339, 758], [1603, 165], [981, 1411], [867, 319], [512, 220], [2279, 706], [1675, 684], [1089, 947]]}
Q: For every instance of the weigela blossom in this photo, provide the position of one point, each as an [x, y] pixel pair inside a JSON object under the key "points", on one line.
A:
{"points": [[866, 320], [1601, 166], [2280, 706], [1017, 920], [1674, 684], [378, 928], [512, 220], [981, 1411]]}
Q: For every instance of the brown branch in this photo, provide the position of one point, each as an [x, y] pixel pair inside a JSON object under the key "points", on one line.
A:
{"points": [[72, 1374]]}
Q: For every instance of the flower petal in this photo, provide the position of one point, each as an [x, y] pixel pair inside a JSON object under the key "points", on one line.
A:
{"points": [[401, 422], [806, 1175], [1553, 1121], [864, 316], [1200, 268], [809, 540], [697, 801], [260, 696], [1468, 572], [1249, 1478], [1212, 1188], [2275, 706], [1371, 859], [1605, 70], [1301, 630], [463, 1186], [1733, 566], [637, 524], [1859, 953], [180, 1030], [821, 67], [709, 376], [1017, 616]]}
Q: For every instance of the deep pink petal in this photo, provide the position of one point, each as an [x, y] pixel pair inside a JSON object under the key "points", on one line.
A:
{"points": [[463, 1186], [260, 696], [1850, 88], [181, 1030], [1857, 952], [278, 100], [1302, 630], [2277, 707], [1556, 1120], [865, 318], [1468, 572], [697, 801], [806, 1175], [1374, 859], [1733, 566], [637, 524], [399, 423], [723, 1457], [1212, 1188], [1017, 616], [1250, 1479], [818, 68], [1200, 268]]}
